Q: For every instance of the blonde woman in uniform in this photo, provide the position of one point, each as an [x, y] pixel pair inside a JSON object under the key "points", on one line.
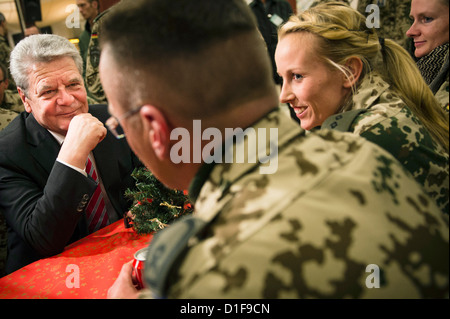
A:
{"points": [[338, 74]]}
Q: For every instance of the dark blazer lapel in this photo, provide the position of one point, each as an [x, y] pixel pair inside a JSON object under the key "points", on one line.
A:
{"points": [[45, 147]]}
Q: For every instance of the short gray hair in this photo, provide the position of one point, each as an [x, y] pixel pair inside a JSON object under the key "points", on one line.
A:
{"points": [[40, 48]]}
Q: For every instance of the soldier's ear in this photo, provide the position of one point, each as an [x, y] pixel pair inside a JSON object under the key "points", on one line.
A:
{"points": [[157, 130], [355, 66]]}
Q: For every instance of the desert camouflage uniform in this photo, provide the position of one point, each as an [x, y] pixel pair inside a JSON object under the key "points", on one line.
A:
{"points": [[5, 53], [442, 95], [94, 87], [12, 101], [379, 115], [6, 116], [335, 205], [394, 19]]}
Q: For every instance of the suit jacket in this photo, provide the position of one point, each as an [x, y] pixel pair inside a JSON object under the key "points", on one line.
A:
{"points": [[43, 200]]}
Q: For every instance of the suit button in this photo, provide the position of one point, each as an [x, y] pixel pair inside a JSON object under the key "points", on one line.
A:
{"points": [[83, 202]]}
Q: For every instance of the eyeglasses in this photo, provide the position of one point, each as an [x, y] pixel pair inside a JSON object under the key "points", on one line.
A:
{"points": [[113, 123]]}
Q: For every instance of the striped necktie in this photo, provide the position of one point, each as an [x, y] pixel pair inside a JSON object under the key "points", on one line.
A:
{"points": [[96, 214]]}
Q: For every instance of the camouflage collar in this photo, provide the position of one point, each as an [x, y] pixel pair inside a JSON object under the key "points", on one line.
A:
{"points": [[99, 16], [204, 172], [214, 182], [369, 91], [12, 101], [199, 180]]}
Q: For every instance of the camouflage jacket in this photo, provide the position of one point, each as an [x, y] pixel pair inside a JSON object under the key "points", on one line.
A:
{"points": [[379, 115], [12, 101], [94, 87], [338, 217], [394, 19], [5, 53], [6, 116], [442, 95]]}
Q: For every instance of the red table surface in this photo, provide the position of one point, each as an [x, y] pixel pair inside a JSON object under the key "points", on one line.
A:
{"points": [[93, 262]]}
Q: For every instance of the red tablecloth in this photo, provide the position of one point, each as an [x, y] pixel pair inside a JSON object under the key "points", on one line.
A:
{"points": [[93, 263]]}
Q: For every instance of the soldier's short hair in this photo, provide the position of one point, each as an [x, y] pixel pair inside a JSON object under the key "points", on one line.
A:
{"points": [[211, 53]]}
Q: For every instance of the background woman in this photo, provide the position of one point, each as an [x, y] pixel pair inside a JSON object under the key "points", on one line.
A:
{"points": [[430, 34]]}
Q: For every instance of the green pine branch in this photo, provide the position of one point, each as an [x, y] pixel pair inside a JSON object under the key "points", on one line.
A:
{"points": [[154, 205]]}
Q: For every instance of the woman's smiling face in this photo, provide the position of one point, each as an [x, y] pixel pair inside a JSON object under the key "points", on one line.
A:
{"points": [[430, 25], [310, 86]]}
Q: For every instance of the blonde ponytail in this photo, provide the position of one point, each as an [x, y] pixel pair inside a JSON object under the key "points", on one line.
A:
{"points": [[401, 72]]}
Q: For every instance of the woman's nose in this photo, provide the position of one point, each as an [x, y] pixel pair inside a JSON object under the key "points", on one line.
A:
{"points": [[412, 31], [286, 94]]}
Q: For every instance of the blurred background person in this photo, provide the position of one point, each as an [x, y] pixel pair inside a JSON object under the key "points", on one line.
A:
{"points": [[394, 19], [31, 30], [92, 78], [6, 117], [430, 32], [9, 99], [5, 49], [89, 9]]}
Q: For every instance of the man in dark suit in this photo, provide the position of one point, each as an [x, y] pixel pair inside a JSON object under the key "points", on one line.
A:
{"points": [[46, 195]]}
